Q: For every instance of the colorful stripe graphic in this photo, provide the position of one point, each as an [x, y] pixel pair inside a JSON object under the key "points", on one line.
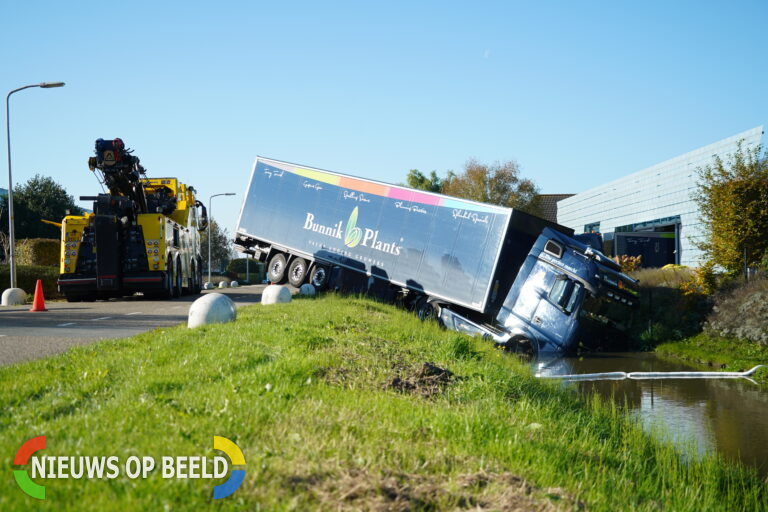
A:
{"points": [[392, 192], [238, 475]]}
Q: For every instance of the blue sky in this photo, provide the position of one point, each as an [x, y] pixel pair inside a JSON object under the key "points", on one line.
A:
{"points": [[577, 93]]}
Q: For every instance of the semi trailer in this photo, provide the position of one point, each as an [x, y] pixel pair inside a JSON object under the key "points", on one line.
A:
{"points": [[143, 235], [481, 269]]}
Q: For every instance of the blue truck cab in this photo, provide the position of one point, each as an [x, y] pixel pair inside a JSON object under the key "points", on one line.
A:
{"points": [[561, 285]]}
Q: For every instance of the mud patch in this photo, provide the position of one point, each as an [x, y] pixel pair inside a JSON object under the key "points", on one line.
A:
{"points": [[401, 492], [427, 380]]}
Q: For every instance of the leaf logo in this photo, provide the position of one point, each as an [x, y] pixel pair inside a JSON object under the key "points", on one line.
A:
{"points": [[353, 234]]}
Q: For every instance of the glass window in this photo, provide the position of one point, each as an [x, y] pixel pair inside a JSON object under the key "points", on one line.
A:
{"points": [[565, 293]]}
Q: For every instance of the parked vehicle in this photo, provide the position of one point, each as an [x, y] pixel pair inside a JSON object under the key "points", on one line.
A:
{"points": [[480, 269], [142, 236]]}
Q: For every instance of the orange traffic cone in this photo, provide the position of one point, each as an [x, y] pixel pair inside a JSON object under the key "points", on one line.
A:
{"points": [[39, 303]]}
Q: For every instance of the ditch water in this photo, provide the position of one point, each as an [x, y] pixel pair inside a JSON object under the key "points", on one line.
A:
{"points": [[729, 416]]}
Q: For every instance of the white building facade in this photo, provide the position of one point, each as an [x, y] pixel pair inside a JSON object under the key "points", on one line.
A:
{"points": [[657, 202]]}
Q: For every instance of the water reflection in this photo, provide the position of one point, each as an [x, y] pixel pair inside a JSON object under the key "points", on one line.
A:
{"points": [[730, 416]]}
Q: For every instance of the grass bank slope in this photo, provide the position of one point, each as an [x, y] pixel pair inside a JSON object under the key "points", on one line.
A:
{"points": [[722, 353], [335, 409]]}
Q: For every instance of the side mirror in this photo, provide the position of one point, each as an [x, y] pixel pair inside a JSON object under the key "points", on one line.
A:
{"points": [[202, 224]]}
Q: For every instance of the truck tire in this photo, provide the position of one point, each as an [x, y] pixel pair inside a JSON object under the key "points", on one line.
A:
{"points": [[177, 289], [167, 291], [197, 279], [425, 310], [297, 272], [276, 272], [319, 277]]}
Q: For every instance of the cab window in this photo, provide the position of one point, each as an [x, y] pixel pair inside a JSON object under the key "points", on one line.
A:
{"points": [[564, 293]]}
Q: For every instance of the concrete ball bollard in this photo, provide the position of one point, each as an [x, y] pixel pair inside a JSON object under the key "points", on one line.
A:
{"points": [[14, 297], [212, 308], [223, 284], [208, 286], [308, 290], [234, 284], [275, 293]]}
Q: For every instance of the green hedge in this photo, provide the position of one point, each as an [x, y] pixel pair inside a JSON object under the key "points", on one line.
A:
{"points": [[27, 276], [38, 251]]}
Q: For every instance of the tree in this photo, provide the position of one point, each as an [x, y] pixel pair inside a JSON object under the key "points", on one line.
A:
{"points": [[732, 196], [417, 180], [39, 198], [499, 183], [221, 247]]}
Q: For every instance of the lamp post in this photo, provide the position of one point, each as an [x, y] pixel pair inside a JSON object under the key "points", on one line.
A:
{"points": [[210, 228], [11, 232]]}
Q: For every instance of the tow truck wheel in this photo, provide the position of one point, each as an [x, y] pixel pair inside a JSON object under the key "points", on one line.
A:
{"points": [[276, 271], [297, 272], [319, 277], [177, 290], [197, 278], [167, 292]]}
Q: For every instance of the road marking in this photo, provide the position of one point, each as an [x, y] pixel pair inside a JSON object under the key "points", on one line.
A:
{"points": [[102, 318], [66, 325], [134, 313]]}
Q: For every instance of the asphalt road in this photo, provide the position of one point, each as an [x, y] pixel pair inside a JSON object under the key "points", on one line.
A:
{"points": [[25, 335]]}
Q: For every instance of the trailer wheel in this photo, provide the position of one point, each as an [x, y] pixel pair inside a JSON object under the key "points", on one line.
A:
{"points": [[425, 310], [276, 271], [319, 277], [297, 272]]}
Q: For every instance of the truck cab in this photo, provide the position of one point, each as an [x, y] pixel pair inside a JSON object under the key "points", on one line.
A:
{"points": [[561, 285]]}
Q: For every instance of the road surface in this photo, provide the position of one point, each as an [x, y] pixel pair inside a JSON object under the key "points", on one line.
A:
{"points": [[25, 335]]}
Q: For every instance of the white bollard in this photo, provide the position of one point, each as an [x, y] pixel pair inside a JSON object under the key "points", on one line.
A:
{"points": [[223, 284], [234, 284], [307, 289], [208, 286], [211, 308], [14, 297], [275, 293]]}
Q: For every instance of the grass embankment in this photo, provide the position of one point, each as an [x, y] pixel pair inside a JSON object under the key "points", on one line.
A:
{"points": [[727, 354], [333, 407]]}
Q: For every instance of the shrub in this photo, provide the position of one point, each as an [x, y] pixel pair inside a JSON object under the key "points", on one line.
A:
{"points": [[38, 251], [742, 313], [628, 263], [27, 276], [668, 276]]}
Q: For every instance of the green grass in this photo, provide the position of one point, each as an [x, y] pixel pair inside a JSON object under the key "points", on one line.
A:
{"points": [[302, 389], [727, 354]]}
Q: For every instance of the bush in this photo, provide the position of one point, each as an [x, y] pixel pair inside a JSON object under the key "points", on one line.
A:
{"points": [[628, 263], [669, 276], [27, 276], [38, 251], [670, 306], [742, 313]]}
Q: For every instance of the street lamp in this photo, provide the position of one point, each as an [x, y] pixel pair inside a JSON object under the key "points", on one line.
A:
{"points": [[210, 228], [11, 232]]}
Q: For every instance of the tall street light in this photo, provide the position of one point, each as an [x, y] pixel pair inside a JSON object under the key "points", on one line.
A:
{"points": [[210, 227], [11, 232]]}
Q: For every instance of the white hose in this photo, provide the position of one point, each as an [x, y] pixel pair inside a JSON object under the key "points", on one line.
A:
{"points": [[654, 375]]}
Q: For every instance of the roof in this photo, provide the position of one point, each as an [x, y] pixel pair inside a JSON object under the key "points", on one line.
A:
{"points": [[549, 205]]}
